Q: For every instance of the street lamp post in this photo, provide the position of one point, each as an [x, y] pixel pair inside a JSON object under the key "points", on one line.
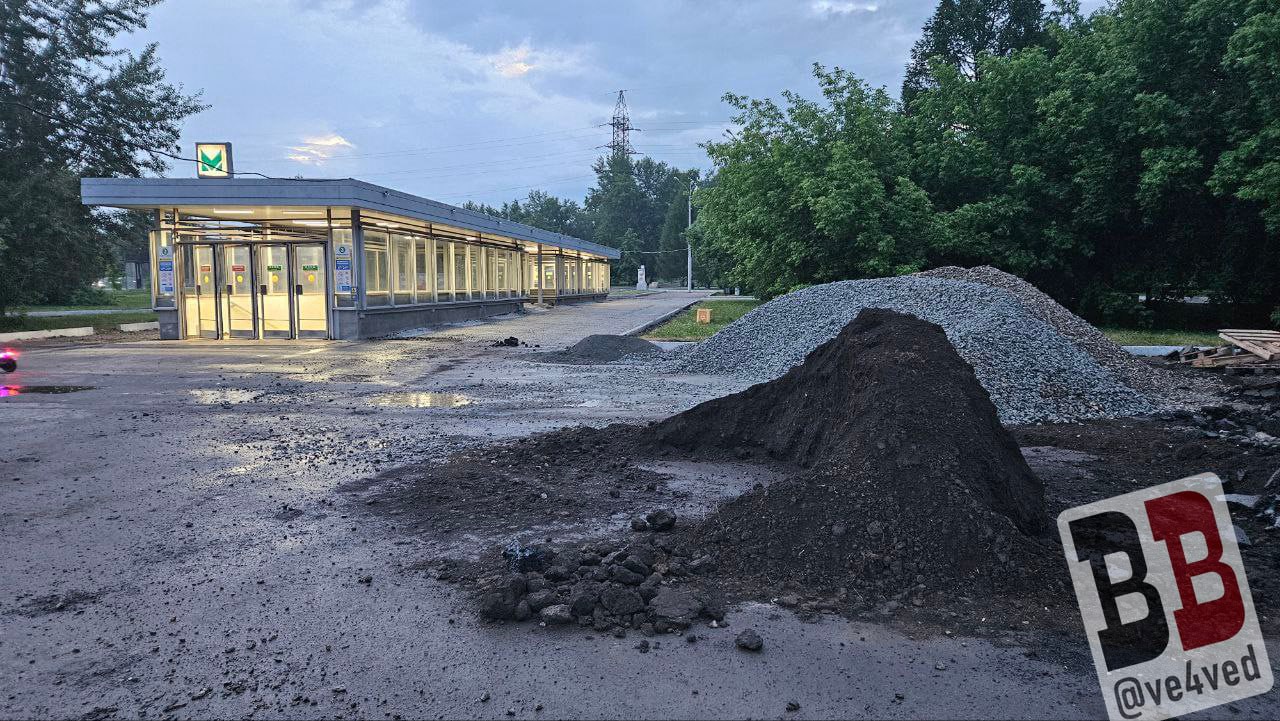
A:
{"points": [[688, 243]]}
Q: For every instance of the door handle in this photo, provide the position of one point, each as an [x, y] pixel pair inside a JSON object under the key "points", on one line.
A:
{"points": [[298, 289]]}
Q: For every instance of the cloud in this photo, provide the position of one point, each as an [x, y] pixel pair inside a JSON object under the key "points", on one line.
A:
{"points": [[513, 63], [827, 8], [314, 151]]}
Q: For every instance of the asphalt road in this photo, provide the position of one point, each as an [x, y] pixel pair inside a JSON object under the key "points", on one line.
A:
{"points": [[174, 545]]}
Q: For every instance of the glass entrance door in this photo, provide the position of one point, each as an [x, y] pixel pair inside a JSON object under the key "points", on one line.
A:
{"points": [[235, 281], [199, 292], [271, 275], [309, 293]]}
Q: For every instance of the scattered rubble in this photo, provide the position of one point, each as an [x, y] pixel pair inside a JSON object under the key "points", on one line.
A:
{"points": [[604, 586]]}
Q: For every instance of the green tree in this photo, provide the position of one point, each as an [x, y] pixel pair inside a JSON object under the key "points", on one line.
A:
{"points": [[816, 191], [628, 207], [72, 106], [541, 210], [960, 32]]}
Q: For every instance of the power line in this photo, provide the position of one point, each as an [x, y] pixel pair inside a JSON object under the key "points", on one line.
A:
{"points": [[681, 249], [137, 146], [517, 187]]}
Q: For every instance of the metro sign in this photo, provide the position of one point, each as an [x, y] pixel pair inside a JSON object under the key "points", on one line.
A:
{"points": [[213, 160]]}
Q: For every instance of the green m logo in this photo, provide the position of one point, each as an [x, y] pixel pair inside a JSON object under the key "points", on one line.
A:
{"points": [[213, 160], [212, 163]]}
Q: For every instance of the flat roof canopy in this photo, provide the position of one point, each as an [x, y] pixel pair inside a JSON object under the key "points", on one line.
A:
{"points": [[164, 193]]}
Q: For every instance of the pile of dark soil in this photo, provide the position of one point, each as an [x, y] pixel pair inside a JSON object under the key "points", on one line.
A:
{"points": [[600, 348], [910, 477]]}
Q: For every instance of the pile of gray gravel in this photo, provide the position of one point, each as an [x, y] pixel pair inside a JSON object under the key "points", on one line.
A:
{"points": [[1034, 373], [1132, 371]]}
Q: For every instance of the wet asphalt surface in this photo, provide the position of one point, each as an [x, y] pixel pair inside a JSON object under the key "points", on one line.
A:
{"points": [[175, 546]]}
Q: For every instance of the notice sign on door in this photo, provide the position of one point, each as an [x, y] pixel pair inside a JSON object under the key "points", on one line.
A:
{"points": [[237, 269], [165, 271]]}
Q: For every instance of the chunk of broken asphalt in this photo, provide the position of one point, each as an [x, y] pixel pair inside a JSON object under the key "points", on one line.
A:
{"points": [[749, 640]]}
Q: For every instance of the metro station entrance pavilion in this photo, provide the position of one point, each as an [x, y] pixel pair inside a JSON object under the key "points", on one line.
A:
{"points": [[295, 259]]}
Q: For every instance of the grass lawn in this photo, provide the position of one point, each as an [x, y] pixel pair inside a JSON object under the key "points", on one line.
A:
{"points": [[15, 323], [684, 327], [119, 299], [1140, 336]]}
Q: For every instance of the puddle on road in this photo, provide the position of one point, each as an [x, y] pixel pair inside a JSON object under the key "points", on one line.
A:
{"points": [[7, 391], [414, 399], [217, 396]]}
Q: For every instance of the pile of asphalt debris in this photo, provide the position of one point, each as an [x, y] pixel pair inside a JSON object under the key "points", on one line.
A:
{"points": [[599, 349], [904, 488], [606, 585]]}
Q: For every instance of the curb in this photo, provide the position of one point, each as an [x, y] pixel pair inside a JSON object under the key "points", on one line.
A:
{"points": [[39, 334], [131, 327], [662, 319]]}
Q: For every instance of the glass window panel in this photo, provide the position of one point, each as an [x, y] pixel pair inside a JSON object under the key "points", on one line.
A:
{"points": [[402, 268], [459, 271], [490, 273], [422, 269], [377, 272], [442, 270], [473, 256]]}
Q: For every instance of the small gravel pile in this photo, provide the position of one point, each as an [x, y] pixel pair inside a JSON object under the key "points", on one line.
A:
{"points": [[1033, 373], [601, 348], [1132, 371]]}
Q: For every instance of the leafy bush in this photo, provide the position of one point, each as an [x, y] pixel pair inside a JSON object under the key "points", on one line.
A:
{"points": [[1113, 308], [90, 295]]}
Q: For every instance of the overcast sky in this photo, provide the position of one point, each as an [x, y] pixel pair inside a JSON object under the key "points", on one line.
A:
{"points": [[487, 100]]}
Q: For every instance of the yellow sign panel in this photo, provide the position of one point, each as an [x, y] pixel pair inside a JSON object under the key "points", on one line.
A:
{"points": [[213, 160]]}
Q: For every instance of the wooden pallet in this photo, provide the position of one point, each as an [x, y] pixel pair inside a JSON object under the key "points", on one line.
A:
{"points": [[1264, 344], [1217, 357], [1253, 369]]}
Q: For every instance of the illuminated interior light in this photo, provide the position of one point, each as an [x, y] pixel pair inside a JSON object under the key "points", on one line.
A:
{"points": [[223, 211], [312, 223], [303, 212]]}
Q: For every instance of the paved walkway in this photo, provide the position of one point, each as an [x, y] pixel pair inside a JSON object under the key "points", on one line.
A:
{"points": [[567, 324], [90, 311]]}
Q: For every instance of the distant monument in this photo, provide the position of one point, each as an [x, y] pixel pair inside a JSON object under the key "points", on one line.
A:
{"points": [[640, 284]]}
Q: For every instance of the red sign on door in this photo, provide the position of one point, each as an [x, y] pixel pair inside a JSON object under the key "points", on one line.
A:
{"points": [[237, 269]]}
